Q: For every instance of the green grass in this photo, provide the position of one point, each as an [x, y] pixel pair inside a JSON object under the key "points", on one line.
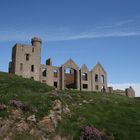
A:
{"points": [[117, 114], [32, 93]]}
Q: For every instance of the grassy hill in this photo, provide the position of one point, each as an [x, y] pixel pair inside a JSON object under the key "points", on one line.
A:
{"points": [[115, 114]]}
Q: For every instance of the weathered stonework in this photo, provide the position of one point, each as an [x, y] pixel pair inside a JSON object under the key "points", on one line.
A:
{"points": [[26, 62], [127, 92]]}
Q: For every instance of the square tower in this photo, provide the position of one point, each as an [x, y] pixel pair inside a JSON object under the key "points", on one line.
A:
{"points": [[26, 59]]}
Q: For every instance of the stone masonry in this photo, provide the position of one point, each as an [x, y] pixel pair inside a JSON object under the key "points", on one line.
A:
{"points": [[26, 62]]}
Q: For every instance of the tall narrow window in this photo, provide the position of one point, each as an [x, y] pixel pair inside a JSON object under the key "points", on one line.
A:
{"points": [[32, 49], [102, 79], [44, 72], [96, 77], [21, 66], [55, 84], [32, 68], [27, 56], [84, 76], [103, 89], [55, 73]]}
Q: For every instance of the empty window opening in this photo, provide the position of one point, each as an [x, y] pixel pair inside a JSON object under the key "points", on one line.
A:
{"points": [[103, 89], [102, 79], [32, 49], [96, 77], [27, 56], [70, 79], [44, 72], [21, 66], [85, 86], [55, 73], [84, 76], [32, 68], [97, 87], [69, 71], [55, 84]]}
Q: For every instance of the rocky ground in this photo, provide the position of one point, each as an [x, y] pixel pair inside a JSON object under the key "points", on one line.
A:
{"points": [[17, 124], [42, 129]]}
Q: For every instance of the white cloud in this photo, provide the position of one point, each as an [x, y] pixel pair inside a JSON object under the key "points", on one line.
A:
{"points": [[125, 22], [136, 87], [66, 36], [68, 33], [119, 24], [92, 35]]}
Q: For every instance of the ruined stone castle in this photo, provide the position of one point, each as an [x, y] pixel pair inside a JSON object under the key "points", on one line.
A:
{"points": [[26, 62]]}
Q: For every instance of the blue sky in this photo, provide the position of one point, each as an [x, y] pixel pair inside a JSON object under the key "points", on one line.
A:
{"points": [[87, 31]]}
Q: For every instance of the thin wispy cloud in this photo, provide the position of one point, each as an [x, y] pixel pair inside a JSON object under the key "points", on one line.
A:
{"points": [[93, 35], [121, 23], [125, 22], [66, 37], [67, 33]]}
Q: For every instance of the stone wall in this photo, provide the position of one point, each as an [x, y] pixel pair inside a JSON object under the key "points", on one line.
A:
{"points": [[26, 62]]}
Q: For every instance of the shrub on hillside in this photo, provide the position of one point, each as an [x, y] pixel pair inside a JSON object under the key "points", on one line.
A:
{"points": [[92, 133]]}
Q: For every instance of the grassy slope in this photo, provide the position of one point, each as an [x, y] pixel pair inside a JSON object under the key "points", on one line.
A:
{"points": [[16, 88], [117, 114]]}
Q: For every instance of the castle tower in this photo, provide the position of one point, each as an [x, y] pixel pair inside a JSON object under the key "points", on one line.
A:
{"points": [[36, 47], [36, 42], [26, 59], [36, 54]]}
